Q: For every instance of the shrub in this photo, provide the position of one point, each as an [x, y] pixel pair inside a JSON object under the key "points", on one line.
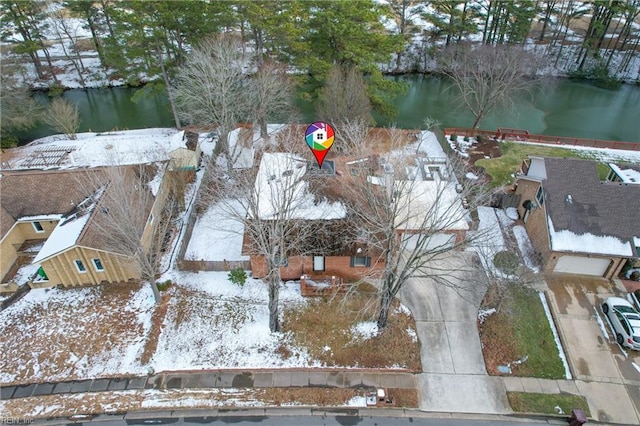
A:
{"points": [[635, 276], [238, 276], [164, 286], [466, 138], [479, 138], [506, 261], [453, 137]]}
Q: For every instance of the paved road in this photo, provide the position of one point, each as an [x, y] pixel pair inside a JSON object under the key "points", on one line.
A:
{"points": [[320, 417], [454, 376]]}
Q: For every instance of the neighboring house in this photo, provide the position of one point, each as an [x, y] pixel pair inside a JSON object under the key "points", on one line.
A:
{"points": [[577, 223], [51, 221], [50, 211]]}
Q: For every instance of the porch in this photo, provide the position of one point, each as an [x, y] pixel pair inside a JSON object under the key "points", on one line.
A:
{"points": [[321, 285], [23, 271]]}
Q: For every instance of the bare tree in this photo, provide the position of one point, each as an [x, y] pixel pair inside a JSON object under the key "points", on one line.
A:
{"points": [[212, 86], [63, 29], [272, 92], [133, 216], [413, 213], [63, 117], [344, 98], [282, 219], [487, 76]]}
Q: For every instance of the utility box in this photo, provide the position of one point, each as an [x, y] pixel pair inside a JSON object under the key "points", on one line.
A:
{"points": [[577, 417]]}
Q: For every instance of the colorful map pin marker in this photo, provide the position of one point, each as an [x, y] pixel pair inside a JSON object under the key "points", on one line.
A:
{"points": [[319, 137]]}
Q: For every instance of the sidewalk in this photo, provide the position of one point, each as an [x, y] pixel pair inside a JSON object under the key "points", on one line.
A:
{"points": [[231, 378], [601, 396]]}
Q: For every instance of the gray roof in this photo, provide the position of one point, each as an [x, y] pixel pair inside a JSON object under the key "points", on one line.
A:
{"points": [[577, 201]]}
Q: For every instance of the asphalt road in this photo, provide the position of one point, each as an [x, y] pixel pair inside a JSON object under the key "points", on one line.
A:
{"points": [[319, 421]]}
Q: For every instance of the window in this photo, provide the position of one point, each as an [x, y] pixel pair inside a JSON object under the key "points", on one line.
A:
{"points": [[38, 227], [98, 265], [318, 263], [360, 261], [80, 266], [540, 196]]}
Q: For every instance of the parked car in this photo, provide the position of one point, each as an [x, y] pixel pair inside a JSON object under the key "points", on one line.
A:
{"points": [[624, 320], [635, 299]]}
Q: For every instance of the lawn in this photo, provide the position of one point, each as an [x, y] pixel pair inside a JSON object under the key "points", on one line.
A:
{"points": [[541, 403], [519, 328], [204, 322], [335, 331], [502, 168]]}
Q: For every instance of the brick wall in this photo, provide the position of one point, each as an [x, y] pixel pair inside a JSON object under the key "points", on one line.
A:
{"points": [[299, 265]]}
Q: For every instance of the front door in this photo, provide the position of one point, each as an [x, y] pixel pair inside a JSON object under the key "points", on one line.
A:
{"points": [[318, 263]]}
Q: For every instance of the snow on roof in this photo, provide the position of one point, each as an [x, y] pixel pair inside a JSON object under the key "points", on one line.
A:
{"points": [[280, 186], [68, 230], [103, 149], [587, 243], [39, 217], [242, 156], [627, 175], [430, 204]]}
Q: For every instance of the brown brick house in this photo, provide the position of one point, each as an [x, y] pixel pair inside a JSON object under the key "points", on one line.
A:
{"points": [[578, 223], [346, 251]]}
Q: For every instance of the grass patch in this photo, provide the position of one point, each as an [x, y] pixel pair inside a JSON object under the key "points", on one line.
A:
{"points": [[542, 403], [520, 328], [324, 327], [500, 169]]}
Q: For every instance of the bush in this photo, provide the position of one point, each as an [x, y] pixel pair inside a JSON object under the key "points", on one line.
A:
{"points": [[238, 276], [506, 261], [453, 137], [466, 138], [600, 76], [479, 138], [164, 286]]}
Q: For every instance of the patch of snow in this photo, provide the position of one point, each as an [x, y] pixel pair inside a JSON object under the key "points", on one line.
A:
{"points": [[566, 240], [402, 309], [563, 357], [605, 333], [526, 248], [412, 333], [154, 184], [365, 330], [512, 213], [484, 314], [40, 218], [471, 176], [357, 401], [217, 234], [636, 366], [24, 274]]}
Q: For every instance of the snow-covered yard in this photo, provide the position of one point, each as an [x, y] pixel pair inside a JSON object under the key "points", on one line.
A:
{"points": [[217, 236], [56, 335]]}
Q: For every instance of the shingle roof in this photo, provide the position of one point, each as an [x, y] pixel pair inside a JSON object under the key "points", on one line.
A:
{"points": [[33, 193], [577, 201]]}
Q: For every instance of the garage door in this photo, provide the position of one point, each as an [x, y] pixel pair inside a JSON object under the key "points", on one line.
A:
{"points": [[582, 265]]}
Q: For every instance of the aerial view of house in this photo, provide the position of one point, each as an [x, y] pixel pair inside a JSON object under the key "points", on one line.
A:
{"points": [[345, 212]]}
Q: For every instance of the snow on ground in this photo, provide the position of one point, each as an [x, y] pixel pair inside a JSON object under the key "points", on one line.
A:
{"points": [[527, 251], [212, 323], [563, 357], [365, 330], [217, 234], [74, 333], [25, 273], [489, 237]]}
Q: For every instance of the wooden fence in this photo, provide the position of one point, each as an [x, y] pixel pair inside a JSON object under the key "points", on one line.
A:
{"points": [[543, 139], [212, 265]]}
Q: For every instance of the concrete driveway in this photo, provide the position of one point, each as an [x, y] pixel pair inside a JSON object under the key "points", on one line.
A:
{"points": [[604, 373], [454, 377]]}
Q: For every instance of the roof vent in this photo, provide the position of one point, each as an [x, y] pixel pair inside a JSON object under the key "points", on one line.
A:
{"points": [[569, 199]]}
